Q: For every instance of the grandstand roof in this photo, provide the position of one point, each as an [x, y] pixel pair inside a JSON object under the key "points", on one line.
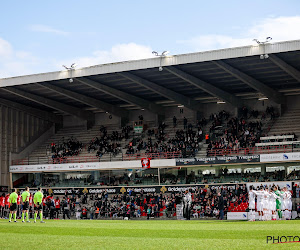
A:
{"points": [[192, 79]]}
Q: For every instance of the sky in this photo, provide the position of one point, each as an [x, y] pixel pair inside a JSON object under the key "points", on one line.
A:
{"points": [[41, 36]]}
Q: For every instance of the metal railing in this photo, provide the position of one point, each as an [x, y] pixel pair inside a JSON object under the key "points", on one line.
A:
{"points": [[254, 150], [104, 158]]}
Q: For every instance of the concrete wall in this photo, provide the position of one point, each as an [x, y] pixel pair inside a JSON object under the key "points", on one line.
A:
{"points": [[72, 121], [180, 113], [17, 129], [107, 119], [100, 119], [147, 115], [293, 102], [210, 108], [34, 144], [254, 104]]}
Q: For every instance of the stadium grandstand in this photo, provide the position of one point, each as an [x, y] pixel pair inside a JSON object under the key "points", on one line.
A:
{"points": [[209, 119]]}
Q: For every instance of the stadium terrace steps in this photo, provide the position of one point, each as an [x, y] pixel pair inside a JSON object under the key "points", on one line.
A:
{"points": [[41, 154], [289, 122]]}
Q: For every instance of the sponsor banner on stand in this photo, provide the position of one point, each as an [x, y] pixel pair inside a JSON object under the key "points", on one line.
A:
{"points": [[3, 189], [90, 166], [237, 216], [133, 190], [218, 160], [153, 189], [280, 157]]}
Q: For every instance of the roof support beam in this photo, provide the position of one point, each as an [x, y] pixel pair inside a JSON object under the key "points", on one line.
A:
{"points": [[112, 109], [207, 87], [47, 116], [170, 94], [82, 114], [286, 67], [255, 84], [157, 109]]}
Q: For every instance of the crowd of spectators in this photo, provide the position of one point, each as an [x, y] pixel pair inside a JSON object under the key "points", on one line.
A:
{"points": [[237, 133], [105, 143], [185, 140], [67, 148], [226, 133]]}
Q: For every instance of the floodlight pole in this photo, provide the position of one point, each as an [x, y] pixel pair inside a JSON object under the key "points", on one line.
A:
{"points": [[264, 55], [161, 56], [70, 69]]}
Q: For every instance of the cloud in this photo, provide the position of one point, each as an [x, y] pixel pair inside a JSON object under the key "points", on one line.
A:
{"points": [[5, 49], [14, 62], [17, 62], [279, 28], [47, 29], [119, 52]]}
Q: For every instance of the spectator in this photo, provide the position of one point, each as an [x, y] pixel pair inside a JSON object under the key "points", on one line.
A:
{"points": [[149, 210], [184, 123], [221, 205], [174, 121], [66, 208]]}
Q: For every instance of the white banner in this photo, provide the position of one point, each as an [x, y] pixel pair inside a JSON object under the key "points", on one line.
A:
{"points": [[244, 215], [237, 216], [90, 166], [280, 157], [281, 184]]}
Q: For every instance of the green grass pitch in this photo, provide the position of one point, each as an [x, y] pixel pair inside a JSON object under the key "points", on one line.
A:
{"points": [[143, 234]]}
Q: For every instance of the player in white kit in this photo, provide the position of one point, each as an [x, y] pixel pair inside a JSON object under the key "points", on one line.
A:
{"points": [[287, 203], [251, 196], [259, 205], [272, 203], [266, 210]]}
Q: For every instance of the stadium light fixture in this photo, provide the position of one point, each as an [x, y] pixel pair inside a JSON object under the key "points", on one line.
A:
{"points": [[220, 102], [70, 69], [163, 54], [263, 98], [264, 55]]}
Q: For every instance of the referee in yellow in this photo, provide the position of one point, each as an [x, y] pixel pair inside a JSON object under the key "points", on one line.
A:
{"points": [[13, 205], [37, 199]]}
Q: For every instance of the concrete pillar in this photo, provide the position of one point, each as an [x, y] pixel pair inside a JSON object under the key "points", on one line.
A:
{"points": [[242, 170], [61, 177], [286, 170], [38, 178], [217, 171], [236, 112], [263, 169], [96, 175]]}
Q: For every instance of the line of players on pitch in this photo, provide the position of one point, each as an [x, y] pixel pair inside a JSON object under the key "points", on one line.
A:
{"points": [[37, 200], [272, 204]]}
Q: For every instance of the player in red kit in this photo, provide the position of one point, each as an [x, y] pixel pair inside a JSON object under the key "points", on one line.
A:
{"points": [[2, 205], [44, 201], [30, 201], [7, 204], [19, 205], [57, 206]]}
